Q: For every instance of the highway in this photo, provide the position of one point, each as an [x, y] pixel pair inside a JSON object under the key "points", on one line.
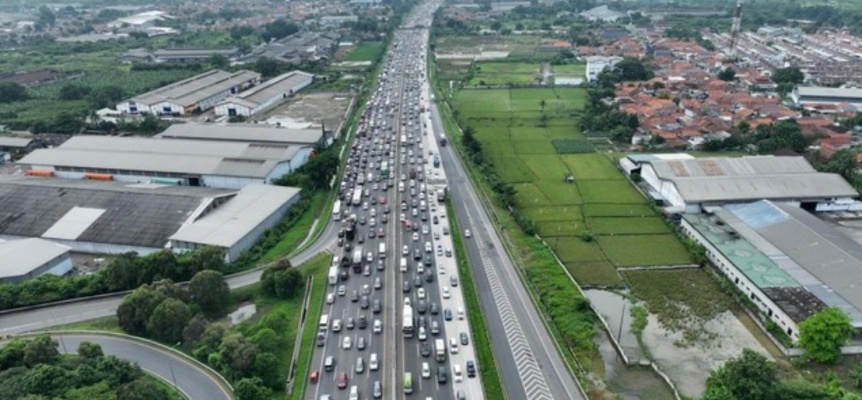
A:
{"points": [[529, 364]]}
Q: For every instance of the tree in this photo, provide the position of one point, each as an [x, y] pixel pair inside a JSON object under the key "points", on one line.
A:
{"points": [[195, 328], [266, 368], [281, 280], [210, 291], [142, 389], [72, 91], [218, 61], [265, 66], [105, 96], [46, 379], [496, 26], [727, 74], [279, 29], [823, 334], [632, 69], [168, 320], [209, 257], [11, 92], [134, 312], [791, 75], [41, 350], [542, 104], [237, 356], [12, 354], [45, 18], [749, 376], [266, 340], [90, 351], [121, 273], [251, 389], [98, 391]]}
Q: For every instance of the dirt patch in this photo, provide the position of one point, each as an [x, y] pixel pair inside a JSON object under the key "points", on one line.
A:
{"points": [[689, 367], [310, 109]]}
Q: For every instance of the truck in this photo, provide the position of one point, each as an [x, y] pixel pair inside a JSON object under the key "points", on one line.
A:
{"points": [[407, 325], [440, 350], [357, 196], [357, 260], [381, 250], [333, 275], [336, 210], [349, 225], [441, 194]]}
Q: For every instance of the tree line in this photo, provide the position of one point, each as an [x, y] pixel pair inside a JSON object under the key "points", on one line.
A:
{"points": [[33, 369]]}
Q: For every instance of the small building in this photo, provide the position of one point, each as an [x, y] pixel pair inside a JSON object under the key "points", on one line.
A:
{"points": [[237, 225], [688, 184], [266, 95], [16, 145], [336, 21], [811, 95], [602, 13], [217, 164], [597, 64], [146, 19], [192, 55], [366, 3], [195, 94], [247, 133], [28, 258]]}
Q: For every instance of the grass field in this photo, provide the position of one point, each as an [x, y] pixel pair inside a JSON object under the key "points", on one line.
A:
{"points": [[570, 70], [497, 73], [366, 51], [600, 203]]}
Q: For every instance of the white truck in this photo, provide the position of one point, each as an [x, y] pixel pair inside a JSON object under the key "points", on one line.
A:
{"points": [[440, 350], [333, 275]]}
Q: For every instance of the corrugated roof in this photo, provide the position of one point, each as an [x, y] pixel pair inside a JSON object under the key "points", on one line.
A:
{"points": [[243, 133], [199, 87], [21, 257], [817, 91], [274, 87], [6, 141], [228, 224]]}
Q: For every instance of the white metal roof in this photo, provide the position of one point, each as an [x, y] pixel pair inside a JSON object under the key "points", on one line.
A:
{"points": [[851, 93], [20, 257], [229, 223], [274, 87], [6, 141], [207, 148], [199, 87], [258, 133]]}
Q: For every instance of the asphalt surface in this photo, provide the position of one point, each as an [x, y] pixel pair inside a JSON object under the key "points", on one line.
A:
{"points": [[529, 365]]}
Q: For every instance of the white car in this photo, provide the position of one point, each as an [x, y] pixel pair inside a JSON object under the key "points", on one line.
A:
{"points": [[426, 370], [420, 293], [415, 237], [378, 326], [460, 312], [346, 343], [424, 229], [330, 298], [467, 233], [405, 251], [423, 335], [442, 270], [446, 294]]}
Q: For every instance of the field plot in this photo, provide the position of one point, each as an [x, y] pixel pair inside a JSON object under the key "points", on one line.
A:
{"points": [[618, 210], [535, 147], [560, 193], [560, 228], [570, 71], [628, 226], [644, 250], [529, 195], [605, 191], [576, 250], [599, 273], [547, 167], [555, 213], [592, 166], [492, 73], [366, 51]]}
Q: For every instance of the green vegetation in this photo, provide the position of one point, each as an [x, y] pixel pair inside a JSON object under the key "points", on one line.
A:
{"points": [[33, 369], [481, 338], [500, 73], [367, 51], [317, 269], [573, 146], [823, 334]]}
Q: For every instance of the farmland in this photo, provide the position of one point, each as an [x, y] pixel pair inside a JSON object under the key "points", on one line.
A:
{"points": [[366, 51], [595, 221]]}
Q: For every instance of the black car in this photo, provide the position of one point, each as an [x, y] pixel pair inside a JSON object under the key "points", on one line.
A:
{"points": [[427, 261], [363, 302], [344, 275], [417, 255], [436, 220], [375, 306], [363, 322], [429, 277], [434, 309], [421, 306], [471, 369], [406, 286], [442, 375], [417, 281], [425, 349]]}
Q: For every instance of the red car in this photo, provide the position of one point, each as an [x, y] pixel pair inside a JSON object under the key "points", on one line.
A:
{"points": [[381, 233], [342, 380], [382, 200], [315, 376]]}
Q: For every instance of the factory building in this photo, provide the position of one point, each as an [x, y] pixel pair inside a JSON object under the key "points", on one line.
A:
{"points": [[597, 64], [810, 95], [684, 184], [237, 225], [102, 217], [227, 165], [268, 94], [198, 93], [249, 133], [28, 258]]}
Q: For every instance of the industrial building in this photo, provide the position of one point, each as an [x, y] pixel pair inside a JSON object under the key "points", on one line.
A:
{"points": [[266, 95], [116, 217], [597, 64], [236, 225], [249, 133], [227, 165], [810, 95], [684, 184], [195, 94], [787, 261], [28, 258]]}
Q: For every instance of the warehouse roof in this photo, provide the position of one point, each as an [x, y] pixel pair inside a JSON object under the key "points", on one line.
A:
{"points": [[256, 133], [749, 178], [228, 224], [194, 52], [197, 88], [21, 257], [817, 91], [6, 141], [100, 212], [277, 86]]}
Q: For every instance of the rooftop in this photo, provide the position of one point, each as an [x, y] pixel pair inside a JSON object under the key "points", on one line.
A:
{"points": [[228, 224], [199, 87], [142, 215], [274, 87], [20, 257], [256, 133], [6, 141], [817, 91]]}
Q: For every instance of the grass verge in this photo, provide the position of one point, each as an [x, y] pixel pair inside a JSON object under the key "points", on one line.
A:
{"points": [[173, 393], [316, 267], [294, 236], [108, 324], [481, 340]]}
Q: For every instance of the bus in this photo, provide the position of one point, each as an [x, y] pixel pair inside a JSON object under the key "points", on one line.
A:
{"points": [[384, 169], [407, 327], [408, 382], [336, 210], [357, 196]]}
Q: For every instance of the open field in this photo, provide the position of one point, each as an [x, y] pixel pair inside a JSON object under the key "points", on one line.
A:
{"points": [[570, 70], [594, 224], [494, 73], [366, 51]]}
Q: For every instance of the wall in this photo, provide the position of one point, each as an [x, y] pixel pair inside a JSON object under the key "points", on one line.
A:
{"points": [[252, 236], [173, 108], [228, 182], [223, 109], [125, 108], [743, 283], [94, 248], [666, 189]]}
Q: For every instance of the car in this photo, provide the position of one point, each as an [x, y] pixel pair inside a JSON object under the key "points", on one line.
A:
{"points": [[425, 349], [336, 325], [344, 275], [420, 293], [415, 237], [434, 309], [471, 369], [447, 314], [364, 303], [405, 251], [442, 375], [342, 290], [460, 312], [354, 296], [378, 326], [366, 271], [342, 380], [453, 280], [446, 293], [350, 323], [381, 233], [424, 229], [417, 255], [429, 277], [417, 281], [421, 306], [465, 340], [377, 392], [366, 290], [360, 365], [453, 346], [321, 339], [448, 252], [314, 377], [467, 233], [456, 372], [372, 234], [436, 220], [428, 247], [330, 298], [423, 334], [360, 343], [346, 343], [426, 370], [440, 250], [373, 363], [406, 287], [363, 322]]}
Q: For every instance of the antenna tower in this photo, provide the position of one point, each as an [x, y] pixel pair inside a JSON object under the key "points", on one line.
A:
{"points": [[734, 30]]}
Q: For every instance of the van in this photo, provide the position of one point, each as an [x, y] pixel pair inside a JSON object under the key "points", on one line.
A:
{"points": [[408, 382], [381, 250], [456, 372], [329, 364], [422, 204], [404, 263], [401, 187], [324, 322]]}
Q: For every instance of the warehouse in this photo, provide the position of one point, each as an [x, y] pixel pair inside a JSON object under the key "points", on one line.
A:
{"points": [[28, 258], [268, 94], [195, 94], [115, 217], [809, 95], [237, 225], [227, 165], [788, 262], [689, 184], [250, 133], [597, 64]]}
